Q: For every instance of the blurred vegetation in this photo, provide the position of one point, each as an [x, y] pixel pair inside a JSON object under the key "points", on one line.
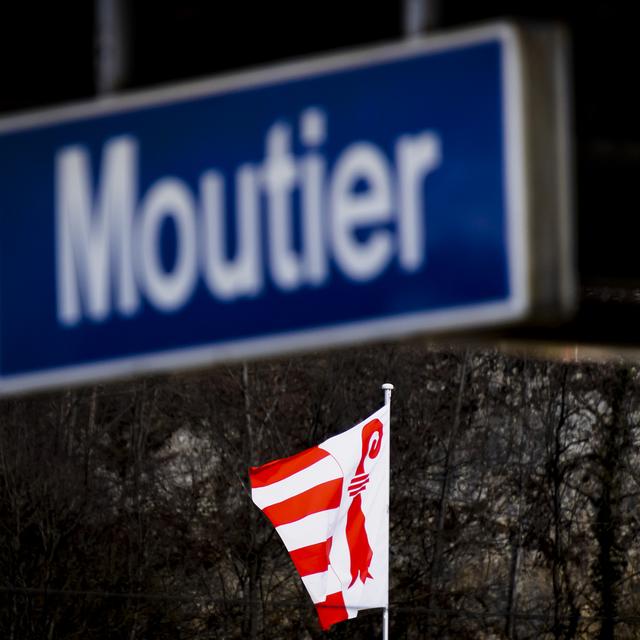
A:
{"points": [[125, 512]]}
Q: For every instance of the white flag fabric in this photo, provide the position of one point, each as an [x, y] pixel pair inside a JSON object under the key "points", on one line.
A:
{"points": [[330, 506]]}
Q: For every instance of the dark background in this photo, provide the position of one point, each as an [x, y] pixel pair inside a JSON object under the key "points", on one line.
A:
{"points": [[47, 57]]}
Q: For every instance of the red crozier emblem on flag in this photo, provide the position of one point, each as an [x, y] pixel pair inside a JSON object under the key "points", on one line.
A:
{"points": [[336, 533], [359, 549]]}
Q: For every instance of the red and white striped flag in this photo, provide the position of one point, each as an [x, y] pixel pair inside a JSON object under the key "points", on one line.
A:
{"points": [[330, 506]]}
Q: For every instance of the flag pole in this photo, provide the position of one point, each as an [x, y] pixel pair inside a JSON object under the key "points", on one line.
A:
{"points": [[387, 388]]}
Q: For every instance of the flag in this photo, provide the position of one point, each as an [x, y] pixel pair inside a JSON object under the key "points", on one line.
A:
{"points": [[330, 506]]}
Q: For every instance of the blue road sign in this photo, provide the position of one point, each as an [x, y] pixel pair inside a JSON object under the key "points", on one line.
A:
{"points": [[367, 195]]}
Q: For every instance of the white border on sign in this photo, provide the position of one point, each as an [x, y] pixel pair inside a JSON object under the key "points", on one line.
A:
{"points": [[516, 196], [270, 345], [403, 325]]}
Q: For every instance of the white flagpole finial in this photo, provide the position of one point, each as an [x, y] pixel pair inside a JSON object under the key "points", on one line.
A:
{"points": [[387, 388]]}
